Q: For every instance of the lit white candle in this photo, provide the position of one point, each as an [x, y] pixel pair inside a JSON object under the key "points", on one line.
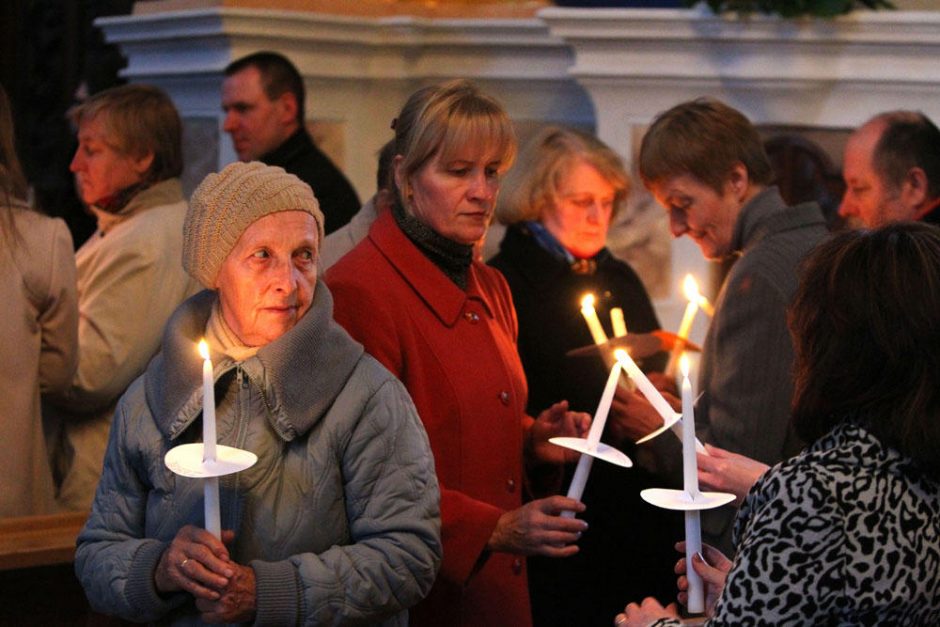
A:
{"points": [[210, 487], [690, 289], [590, 317], [579, 480], [617, 322], [693, 525], [208, 404], [662, 407]]}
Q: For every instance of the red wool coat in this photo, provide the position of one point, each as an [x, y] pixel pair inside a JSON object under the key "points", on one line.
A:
{"points": [[456, 353]]}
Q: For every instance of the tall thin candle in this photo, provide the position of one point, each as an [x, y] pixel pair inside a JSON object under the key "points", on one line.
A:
{"points": [[617, 322], [211, 484], [662, 407], [693, 525], [590, 317], [690, 289], [579, 480]]}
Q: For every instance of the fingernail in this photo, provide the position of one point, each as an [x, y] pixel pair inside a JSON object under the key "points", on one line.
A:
{"points": [[229, 573]]}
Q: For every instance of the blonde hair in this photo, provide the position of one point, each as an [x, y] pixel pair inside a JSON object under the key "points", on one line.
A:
{"points": [[533, 184], [443, 119], [139, 119]]}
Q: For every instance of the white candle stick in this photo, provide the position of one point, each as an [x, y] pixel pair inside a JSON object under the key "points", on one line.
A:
{"points": [[208, 404], [690, 289], [576, 489], [646, 387], [617, 322], [706, 306], [590, 317], [210, 491], [693, 526]]}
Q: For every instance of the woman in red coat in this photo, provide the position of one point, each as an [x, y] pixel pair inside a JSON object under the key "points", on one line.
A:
{"points": [[445, 325]]}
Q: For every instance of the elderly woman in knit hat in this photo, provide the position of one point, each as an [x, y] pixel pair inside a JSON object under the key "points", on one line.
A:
{"points": [[338, 522]]}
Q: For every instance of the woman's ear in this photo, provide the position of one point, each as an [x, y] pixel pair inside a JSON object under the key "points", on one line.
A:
{"points": [[739, 181], [142, 163]]}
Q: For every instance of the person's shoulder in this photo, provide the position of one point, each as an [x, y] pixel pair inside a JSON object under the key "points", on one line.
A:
{"points": [[361, 264]]}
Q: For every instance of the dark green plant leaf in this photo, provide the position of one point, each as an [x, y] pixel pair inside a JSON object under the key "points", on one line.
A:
{"points": [[793, 8]]}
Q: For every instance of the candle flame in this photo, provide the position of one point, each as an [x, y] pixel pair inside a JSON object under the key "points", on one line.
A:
{"points": [[204, 349], [620, 354], [587, 301], [684, 365], [690, 288]]}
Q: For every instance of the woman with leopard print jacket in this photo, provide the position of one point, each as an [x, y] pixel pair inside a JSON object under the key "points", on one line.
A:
{"points": [[848, 532]]}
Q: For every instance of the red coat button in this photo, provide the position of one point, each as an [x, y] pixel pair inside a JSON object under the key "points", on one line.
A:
{"points": [[471, 317], [517, 566], [504, 397], [511, 485]]}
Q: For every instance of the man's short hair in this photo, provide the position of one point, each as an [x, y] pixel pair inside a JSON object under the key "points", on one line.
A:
{"points": [[703, 138], [278, 76], [909, 140]]}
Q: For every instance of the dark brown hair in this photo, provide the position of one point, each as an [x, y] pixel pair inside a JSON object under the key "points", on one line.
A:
{"points": [[705, 139], [278, 76], [12, 181], [909, 140], [866, 329]]}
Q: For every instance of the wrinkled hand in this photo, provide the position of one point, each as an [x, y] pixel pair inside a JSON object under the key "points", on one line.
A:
{"points": [[649, 611], [713, 574], [557, 421], [664, 383], [196, 562], [725, 471], [537, 528], [633, 417], [237, 602]]}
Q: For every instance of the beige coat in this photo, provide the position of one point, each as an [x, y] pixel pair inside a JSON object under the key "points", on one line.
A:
{"points": [[130, 279], [38, 336]]}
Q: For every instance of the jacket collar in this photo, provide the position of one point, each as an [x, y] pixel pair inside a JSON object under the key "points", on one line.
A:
{"points": [[766, 213], [538, 267], [286, 152], [439, 293], [300, 374], [157, 195]]}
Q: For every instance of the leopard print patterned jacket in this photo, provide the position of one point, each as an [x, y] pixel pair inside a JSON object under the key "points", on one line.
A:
{"points": [[846, 533]]}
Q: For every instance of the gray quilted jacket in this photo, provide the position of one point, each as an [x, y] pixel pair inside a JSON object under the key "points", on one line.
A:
{"points": [[340, 516]]}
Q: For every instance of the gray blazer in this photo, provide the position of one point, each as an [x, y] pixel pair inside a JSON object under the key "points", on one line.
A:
{"points": [[747, 358]]}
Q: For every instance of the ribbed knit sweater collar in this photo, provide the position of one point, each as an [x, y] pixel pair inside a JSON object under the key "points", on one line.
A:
{"points": [[451, 257]]}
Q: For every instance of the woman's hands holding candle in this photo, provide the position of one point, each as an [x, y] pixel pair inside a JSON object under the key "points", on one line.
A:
{"points": [[713, 573], [556, 421], [196, 562], [724, 471], [537, 528]]}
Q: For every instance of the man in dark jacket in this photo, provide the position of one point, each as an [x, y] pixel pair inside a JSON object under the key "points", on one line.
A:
{"points": [[263, 99]]}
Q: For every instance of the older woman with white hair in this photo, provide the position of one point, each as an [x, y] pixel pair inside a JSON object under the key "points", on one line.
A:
{"points": [[338, 522]]}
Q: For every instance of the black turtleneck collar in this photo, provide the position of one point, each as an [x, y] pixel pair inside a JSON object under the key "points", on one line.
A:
{"points": [[451, 257]]}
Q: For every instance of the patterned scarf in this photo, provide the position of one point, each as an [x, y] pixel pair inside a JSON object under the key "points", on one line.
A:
{"points": [[552, 246]]}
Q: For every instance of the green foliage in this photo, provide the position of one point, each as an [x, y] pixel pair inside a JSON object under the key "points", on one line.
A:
{"points": [[792, 8]]}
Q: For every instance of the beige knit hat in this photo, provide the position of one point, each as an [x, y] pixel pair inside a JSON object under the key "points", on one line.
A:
{"points": [[227, 203]]}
